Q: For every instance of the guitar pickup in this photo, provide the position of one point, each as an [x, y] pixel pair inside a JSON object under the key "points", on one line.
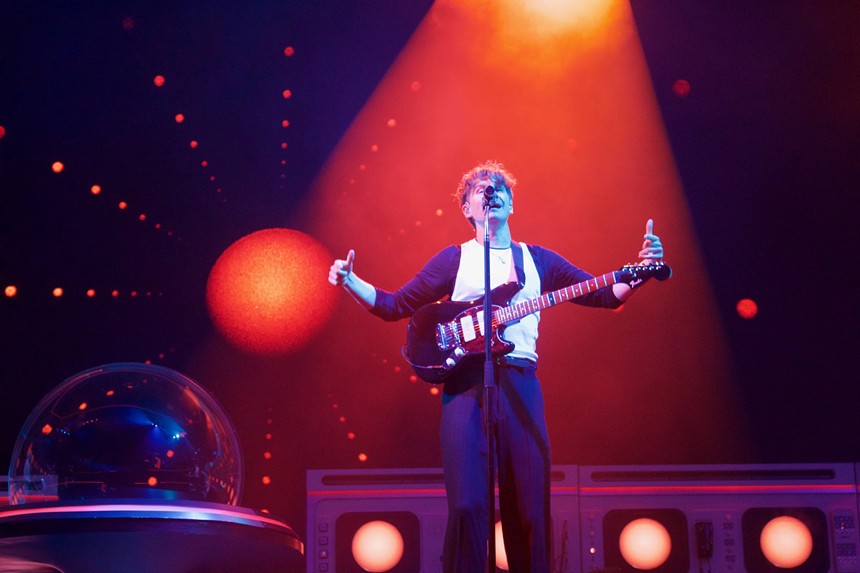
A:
{"points": [[446, 336]]}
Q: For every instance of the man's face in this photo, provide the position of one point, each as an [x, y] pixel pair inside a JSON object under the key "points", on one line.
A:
{"points": [[501, 205]]}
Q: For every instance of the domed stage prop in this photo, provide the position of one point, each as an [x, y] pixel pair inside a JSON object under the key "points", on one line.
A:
{"points": [[134, 468]]}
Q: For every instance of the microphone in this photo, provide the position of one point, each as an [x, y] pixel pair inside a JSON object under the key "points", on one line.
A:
{"points": [[489, 192]]}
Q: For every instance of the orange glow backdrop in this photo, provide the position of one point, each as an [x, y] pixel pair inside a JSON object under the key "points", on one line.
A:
{"points": [[571, 112]]}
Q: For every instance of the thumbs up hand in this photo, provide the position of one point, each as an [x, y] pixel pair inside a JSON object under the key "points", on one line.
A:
{"points": [[652, 248], [341, 269]]}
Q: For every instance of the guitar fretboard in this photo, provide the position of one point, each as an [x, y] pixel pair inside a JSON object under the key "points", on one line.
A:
{"points": [[515, 312]]}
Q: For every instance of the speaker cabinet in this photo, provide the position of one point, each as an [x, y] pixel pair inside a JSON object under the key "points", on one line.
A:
{"points": [[743, 518], [341, 502]]}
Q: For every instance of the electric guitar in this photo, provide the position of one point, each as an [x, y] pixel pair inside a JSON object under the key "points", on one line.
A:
{"points": [[441, 335]]}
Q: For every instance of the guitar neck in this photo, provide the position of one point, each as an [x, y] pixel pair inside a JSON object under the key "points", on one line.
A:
{"points": [[517, 311]]}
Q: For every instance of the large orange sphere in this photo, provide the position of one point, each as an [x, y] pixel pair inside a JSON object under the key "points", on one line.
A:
{"points": [[268, 292]]}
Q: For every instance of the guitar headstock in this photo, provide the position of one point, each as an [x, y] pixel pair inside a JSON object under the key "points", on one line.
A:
{"points": [[635, 274]]}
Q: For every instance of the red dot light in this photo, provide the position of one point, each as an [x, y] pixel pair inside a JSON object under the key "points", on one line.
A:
{"points": [[681, 88], [179, 118], [57, 167], [158, 81], [747, 308]]}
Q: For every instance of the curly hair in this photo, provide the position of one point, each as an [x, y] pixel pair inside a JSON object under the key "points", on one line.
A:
{"points": [[493, 171]]}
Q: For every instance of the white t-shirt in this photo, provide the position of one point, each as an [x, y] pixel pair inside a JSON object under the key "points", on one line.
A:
{"points": [[469, 286]]}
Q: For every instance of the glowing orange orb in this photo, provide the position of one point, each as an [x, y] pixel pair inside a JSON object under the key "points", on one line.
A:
{"points": [[377, 546], [645, 543], [268, 294], [57, 166], [786, 542], [11, 291]]}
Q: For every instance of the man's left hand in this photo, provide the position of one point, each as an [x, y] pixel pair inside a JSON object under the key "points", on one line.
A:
{"points": [[652, 248]]}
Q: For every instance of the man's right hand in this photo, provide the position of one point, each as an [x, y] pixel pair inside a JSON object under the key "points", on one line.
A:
{"points": [[341, 269]]}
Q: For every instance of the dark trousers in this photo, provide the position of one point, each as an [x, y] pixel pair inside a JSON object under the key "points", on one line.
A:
{"points": [[523, 466]]}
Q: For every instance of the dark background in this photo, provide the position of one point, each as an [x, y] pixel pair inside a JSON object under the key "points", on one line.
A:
{"points": [[766, 145]]}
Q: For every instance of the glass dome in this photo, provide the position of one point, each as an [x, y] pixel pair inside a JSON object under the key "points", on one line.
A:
{"points": [[127, 430]]}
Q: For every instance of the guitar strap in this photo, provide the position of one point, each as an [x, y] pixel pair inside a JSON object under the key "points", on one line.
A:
{"points": [[517, 250]]}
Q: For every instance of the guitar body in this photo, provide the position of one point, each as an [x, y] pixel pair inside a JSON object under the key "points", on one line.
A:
{"points": [[434, 350], [443, 335]]}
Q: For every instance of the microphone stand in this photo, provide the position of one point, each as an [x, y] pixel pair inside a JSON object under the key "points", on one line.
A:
{"points": [[489, 396]]}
